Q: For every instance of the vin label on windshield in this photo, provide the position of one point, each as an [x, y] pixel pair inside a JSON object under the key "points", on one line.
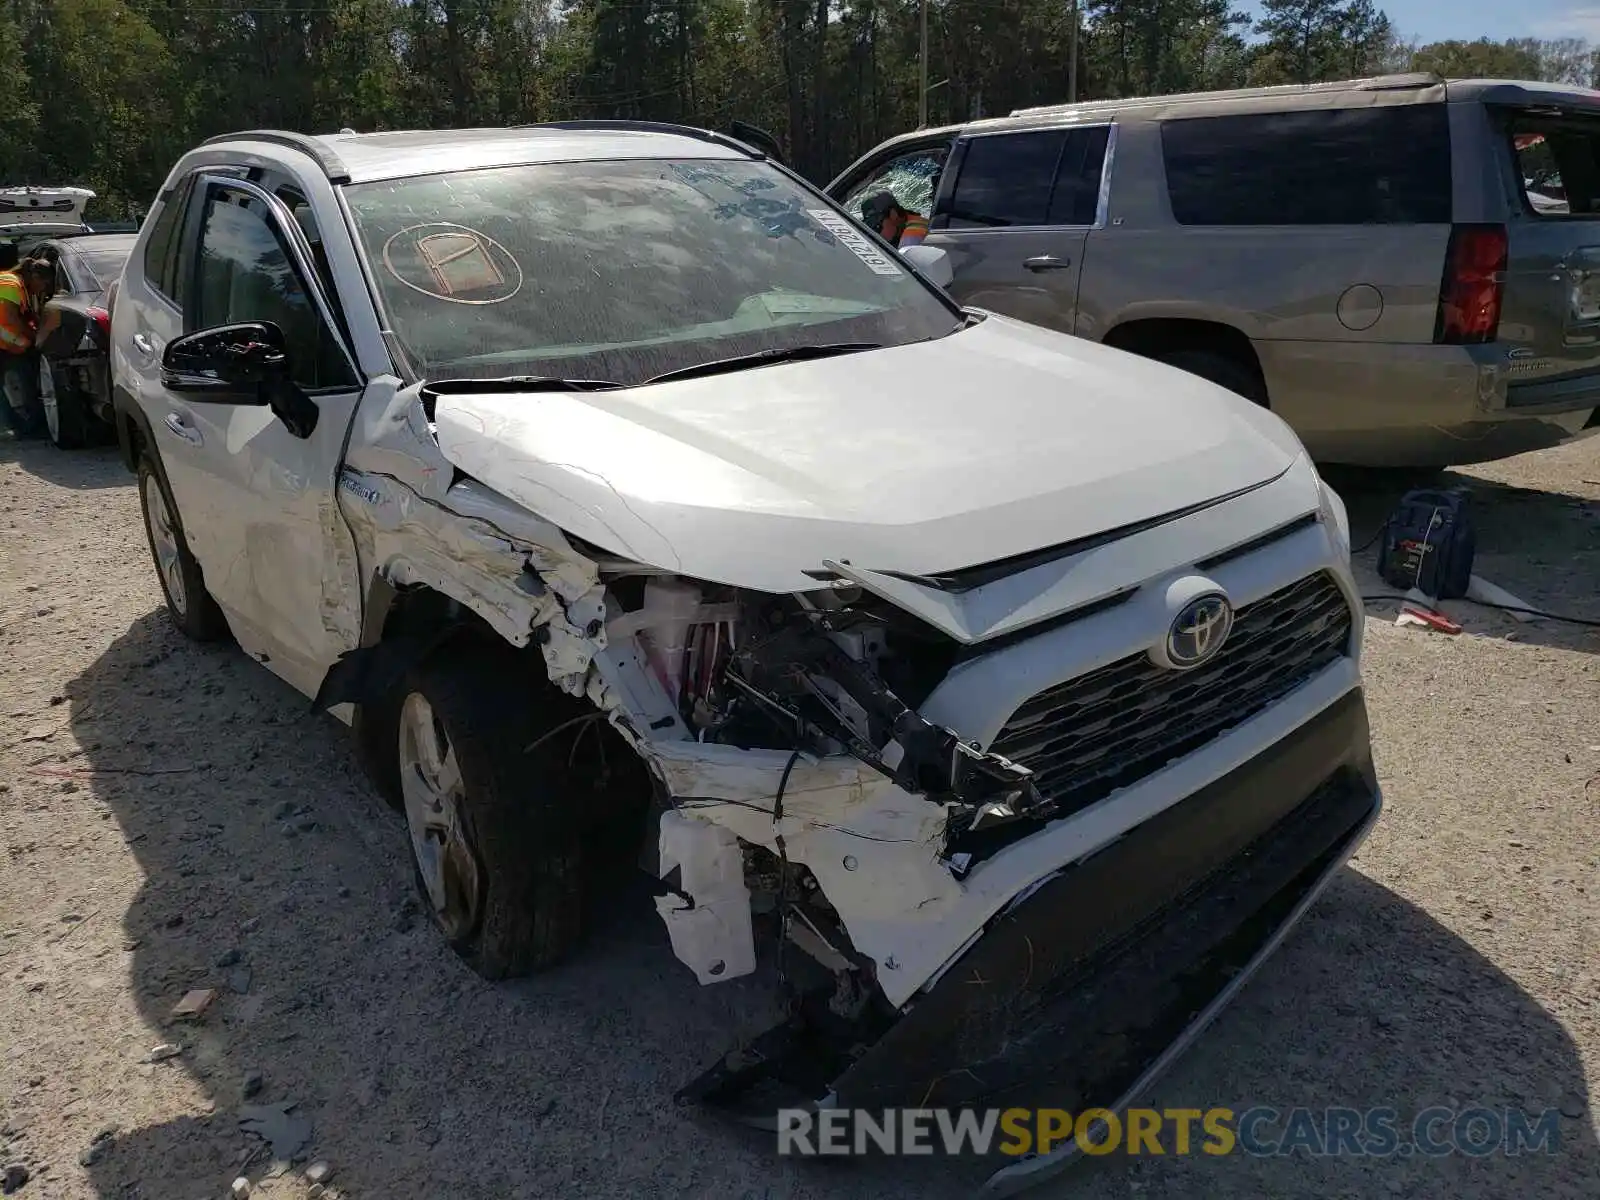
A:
{"points": [[876, 262]]}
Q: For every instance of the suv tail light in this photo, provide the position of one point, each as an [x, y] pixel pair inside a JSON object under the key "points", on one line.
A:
{"points": [[102, 318], [1474, 285]]}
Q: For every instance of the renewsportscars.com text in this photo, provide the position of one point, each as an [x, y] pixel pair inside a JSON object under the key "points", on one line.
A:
{"points": [[1258, 1131]]}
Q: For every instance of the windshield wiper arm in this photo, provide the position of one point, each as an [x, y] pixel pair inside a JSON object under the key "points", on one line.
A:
{"points": [[517, 383], [762, 358]]}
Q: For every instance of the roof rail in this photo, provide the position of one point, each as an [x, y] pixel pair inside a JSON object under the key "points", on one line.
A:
{"points": [[693, 131], [1376, 83], [332, 165]]}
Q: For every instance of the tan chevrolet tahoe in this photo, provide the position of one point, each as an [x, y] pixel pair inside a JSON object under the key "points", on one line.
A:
{"points": [[1407, 270]]}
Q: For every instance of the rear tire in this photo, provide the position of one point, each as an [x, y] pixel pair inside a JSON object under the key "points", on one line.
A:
{"points": [[189, 605], [67, 420], [496, 841], [1222, 369]]}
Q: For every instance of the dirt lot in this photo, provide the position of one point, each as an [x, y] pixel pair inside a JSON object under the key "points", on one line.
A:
{"points": [[175, 818]]}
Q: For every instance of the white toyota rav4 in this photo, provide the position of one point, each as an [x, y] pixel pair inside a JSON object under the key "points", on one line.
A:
{"points": [[629, 499]]}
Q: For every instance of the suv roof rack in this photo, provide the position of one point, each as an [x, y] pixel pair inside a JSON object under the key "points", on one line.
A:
{"points": [[694, 131], [332, 165], [1376, 83]]}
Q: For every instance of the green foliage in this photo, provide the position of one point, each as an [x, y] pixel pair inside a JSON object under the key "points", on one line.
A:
{"points": [[108, 93]]}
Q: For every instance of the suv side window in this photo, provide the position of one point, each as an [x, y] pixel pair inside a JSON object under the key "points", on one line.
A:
{"points": [[1076, 197], [160, 249], [1042, 177], [911, 178], [1361, 166], [245, 273]]}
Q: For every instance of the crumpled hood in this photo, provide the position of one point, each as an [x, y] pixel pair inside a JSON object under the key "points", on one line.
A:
{"points": [[992, 442]]}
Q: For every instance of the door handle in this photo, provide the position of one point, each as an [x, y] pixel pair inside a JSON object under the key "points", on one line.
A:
{"points": [[182, 428], [1047, 262], [143, 345]]}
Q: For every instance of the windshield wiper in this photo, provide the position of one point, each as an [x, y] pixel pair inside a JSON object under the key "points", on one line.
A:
{"points": [[517, 383], [762, 358]]}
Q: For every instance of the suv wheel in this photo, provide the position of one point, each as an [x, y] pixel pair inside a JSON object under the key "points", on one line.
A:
{"points": [[1221, 369], [498, 853], [66, 417], [191, 607]]}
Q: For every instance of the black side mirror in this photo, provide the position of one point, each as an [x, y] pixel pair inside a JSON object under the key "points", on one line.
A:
{"points": [[239, 364], [228, 364]]}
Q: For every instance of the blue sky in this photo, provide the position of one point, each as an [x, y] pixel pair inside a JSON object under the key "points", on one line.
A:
{"points": [[1436, 20]]}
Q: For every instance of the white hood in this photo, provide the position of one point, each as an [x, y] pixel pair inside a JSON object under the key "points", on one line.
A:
{"points": [[992, 442]]}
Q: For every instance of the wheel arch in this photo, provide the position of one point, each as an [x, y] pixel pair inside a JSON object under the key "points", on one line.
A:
{"points": [[1153, 337], [136, 440]]}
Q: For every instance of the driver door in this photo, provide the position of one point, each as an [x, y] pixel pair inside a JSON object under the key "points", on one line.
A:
{"points": [[268, 533]]}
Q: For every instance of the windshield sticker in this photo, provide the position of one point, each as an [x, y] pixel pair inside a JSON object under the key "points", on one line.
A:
{"points": [[877, 262], [452, 263]]}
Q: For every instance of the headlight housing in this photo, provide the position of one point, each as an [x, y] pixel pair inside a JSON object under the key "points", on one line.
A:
{"points": [[1335, 517]]}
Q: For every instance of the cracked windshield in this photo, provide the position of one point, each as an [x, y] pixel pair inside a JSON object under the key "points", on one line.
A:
{"points": [[625, 270]]}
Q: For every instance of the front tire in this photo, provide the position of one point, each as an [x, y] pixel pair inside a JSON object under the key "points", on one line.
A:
{"points": [[67, 419], [189, 605], [497, 846]]}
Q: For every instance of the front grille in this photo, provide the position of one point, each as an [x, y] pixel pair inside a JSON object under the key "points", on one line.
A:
{"points": [[1087, 737]]}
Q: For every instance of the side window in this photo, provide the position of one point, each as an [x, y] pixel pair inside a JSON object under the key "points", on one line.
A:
{"points": [[912, 179], [245, 273], [1558, 160], [160, 248], [1365, 166], [1007, 179], [1076, 197]]}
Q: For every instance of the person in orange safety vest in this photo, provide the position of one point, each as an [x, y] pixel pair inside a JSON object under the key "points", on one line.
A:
{"points": [[22, 292]]}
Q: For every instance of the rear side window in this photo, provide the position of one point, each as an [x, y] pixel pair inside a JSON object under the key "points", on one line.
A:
{"points": [[1043, 177], [1360, 166], [160, 249], [1558, 164]]}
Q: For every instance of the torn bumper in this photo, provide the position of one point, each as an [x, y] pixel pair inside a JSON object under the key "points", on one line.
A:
{"points": [[1082, 993]]}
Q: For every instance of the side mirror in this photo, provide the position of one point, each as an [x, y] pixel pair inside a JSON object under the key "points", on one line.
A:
{"points": [[932, 261], [227, 364]]}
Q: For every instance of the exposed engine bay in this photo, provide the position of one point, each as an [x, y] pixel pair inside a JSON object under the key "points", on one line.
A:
{"points": [[824, 682], [824, 674]]}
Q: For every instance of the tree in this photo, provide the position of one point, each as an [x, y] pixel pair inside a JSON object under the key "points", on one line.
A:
{"points": [[1304, 39], [1368, 37], [147, 79]]}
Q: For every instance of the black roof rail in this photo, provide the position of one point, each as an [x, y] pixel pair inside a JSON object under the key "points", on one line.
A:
{"points": [[693, 131], [332, 165]]}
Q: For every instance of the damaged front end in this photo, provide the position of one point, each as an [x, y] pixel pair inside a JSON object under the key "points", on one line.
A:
{"points": [[947, 929]]}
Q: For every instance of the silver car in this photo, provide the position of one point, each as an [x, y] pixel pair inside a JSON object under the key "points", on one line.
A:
{"points": [[1407, 270]]}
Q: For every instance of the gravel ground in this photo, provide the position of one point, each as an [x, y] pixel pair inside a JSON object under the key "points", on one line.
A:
{"points": [[174, 818]]}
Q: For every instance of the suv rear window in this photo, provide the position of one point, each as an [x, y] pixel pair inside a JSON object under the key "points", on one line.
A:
{"points": [[1359, 166], [1558, 164]]}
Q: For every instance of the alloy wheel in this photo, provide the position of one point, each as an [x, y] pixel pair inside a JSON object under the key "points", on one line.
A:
{"points": [[433, 790], [164, 541]]}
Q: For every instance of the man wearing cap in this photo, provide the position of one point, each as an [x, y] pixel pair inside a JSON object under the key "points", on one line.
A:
{"points": [[22, 289]]}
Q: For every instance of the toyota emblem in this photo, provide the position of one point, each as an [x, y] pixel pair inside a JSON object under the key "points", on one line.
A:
{"points": [[1198, 631]]}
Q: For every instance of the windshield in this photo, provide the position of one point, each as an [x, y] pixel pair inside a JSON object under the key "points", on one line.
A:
{"points": [[625, 270]]}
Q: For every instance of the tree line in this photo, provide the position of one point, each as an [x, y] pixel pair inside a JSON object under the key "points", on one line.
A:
{"points": [[108, 93]]}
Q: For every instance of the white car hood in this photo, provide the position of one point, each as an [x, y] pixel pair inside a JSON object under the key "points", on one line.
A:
{"points": [[995, 441]]}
